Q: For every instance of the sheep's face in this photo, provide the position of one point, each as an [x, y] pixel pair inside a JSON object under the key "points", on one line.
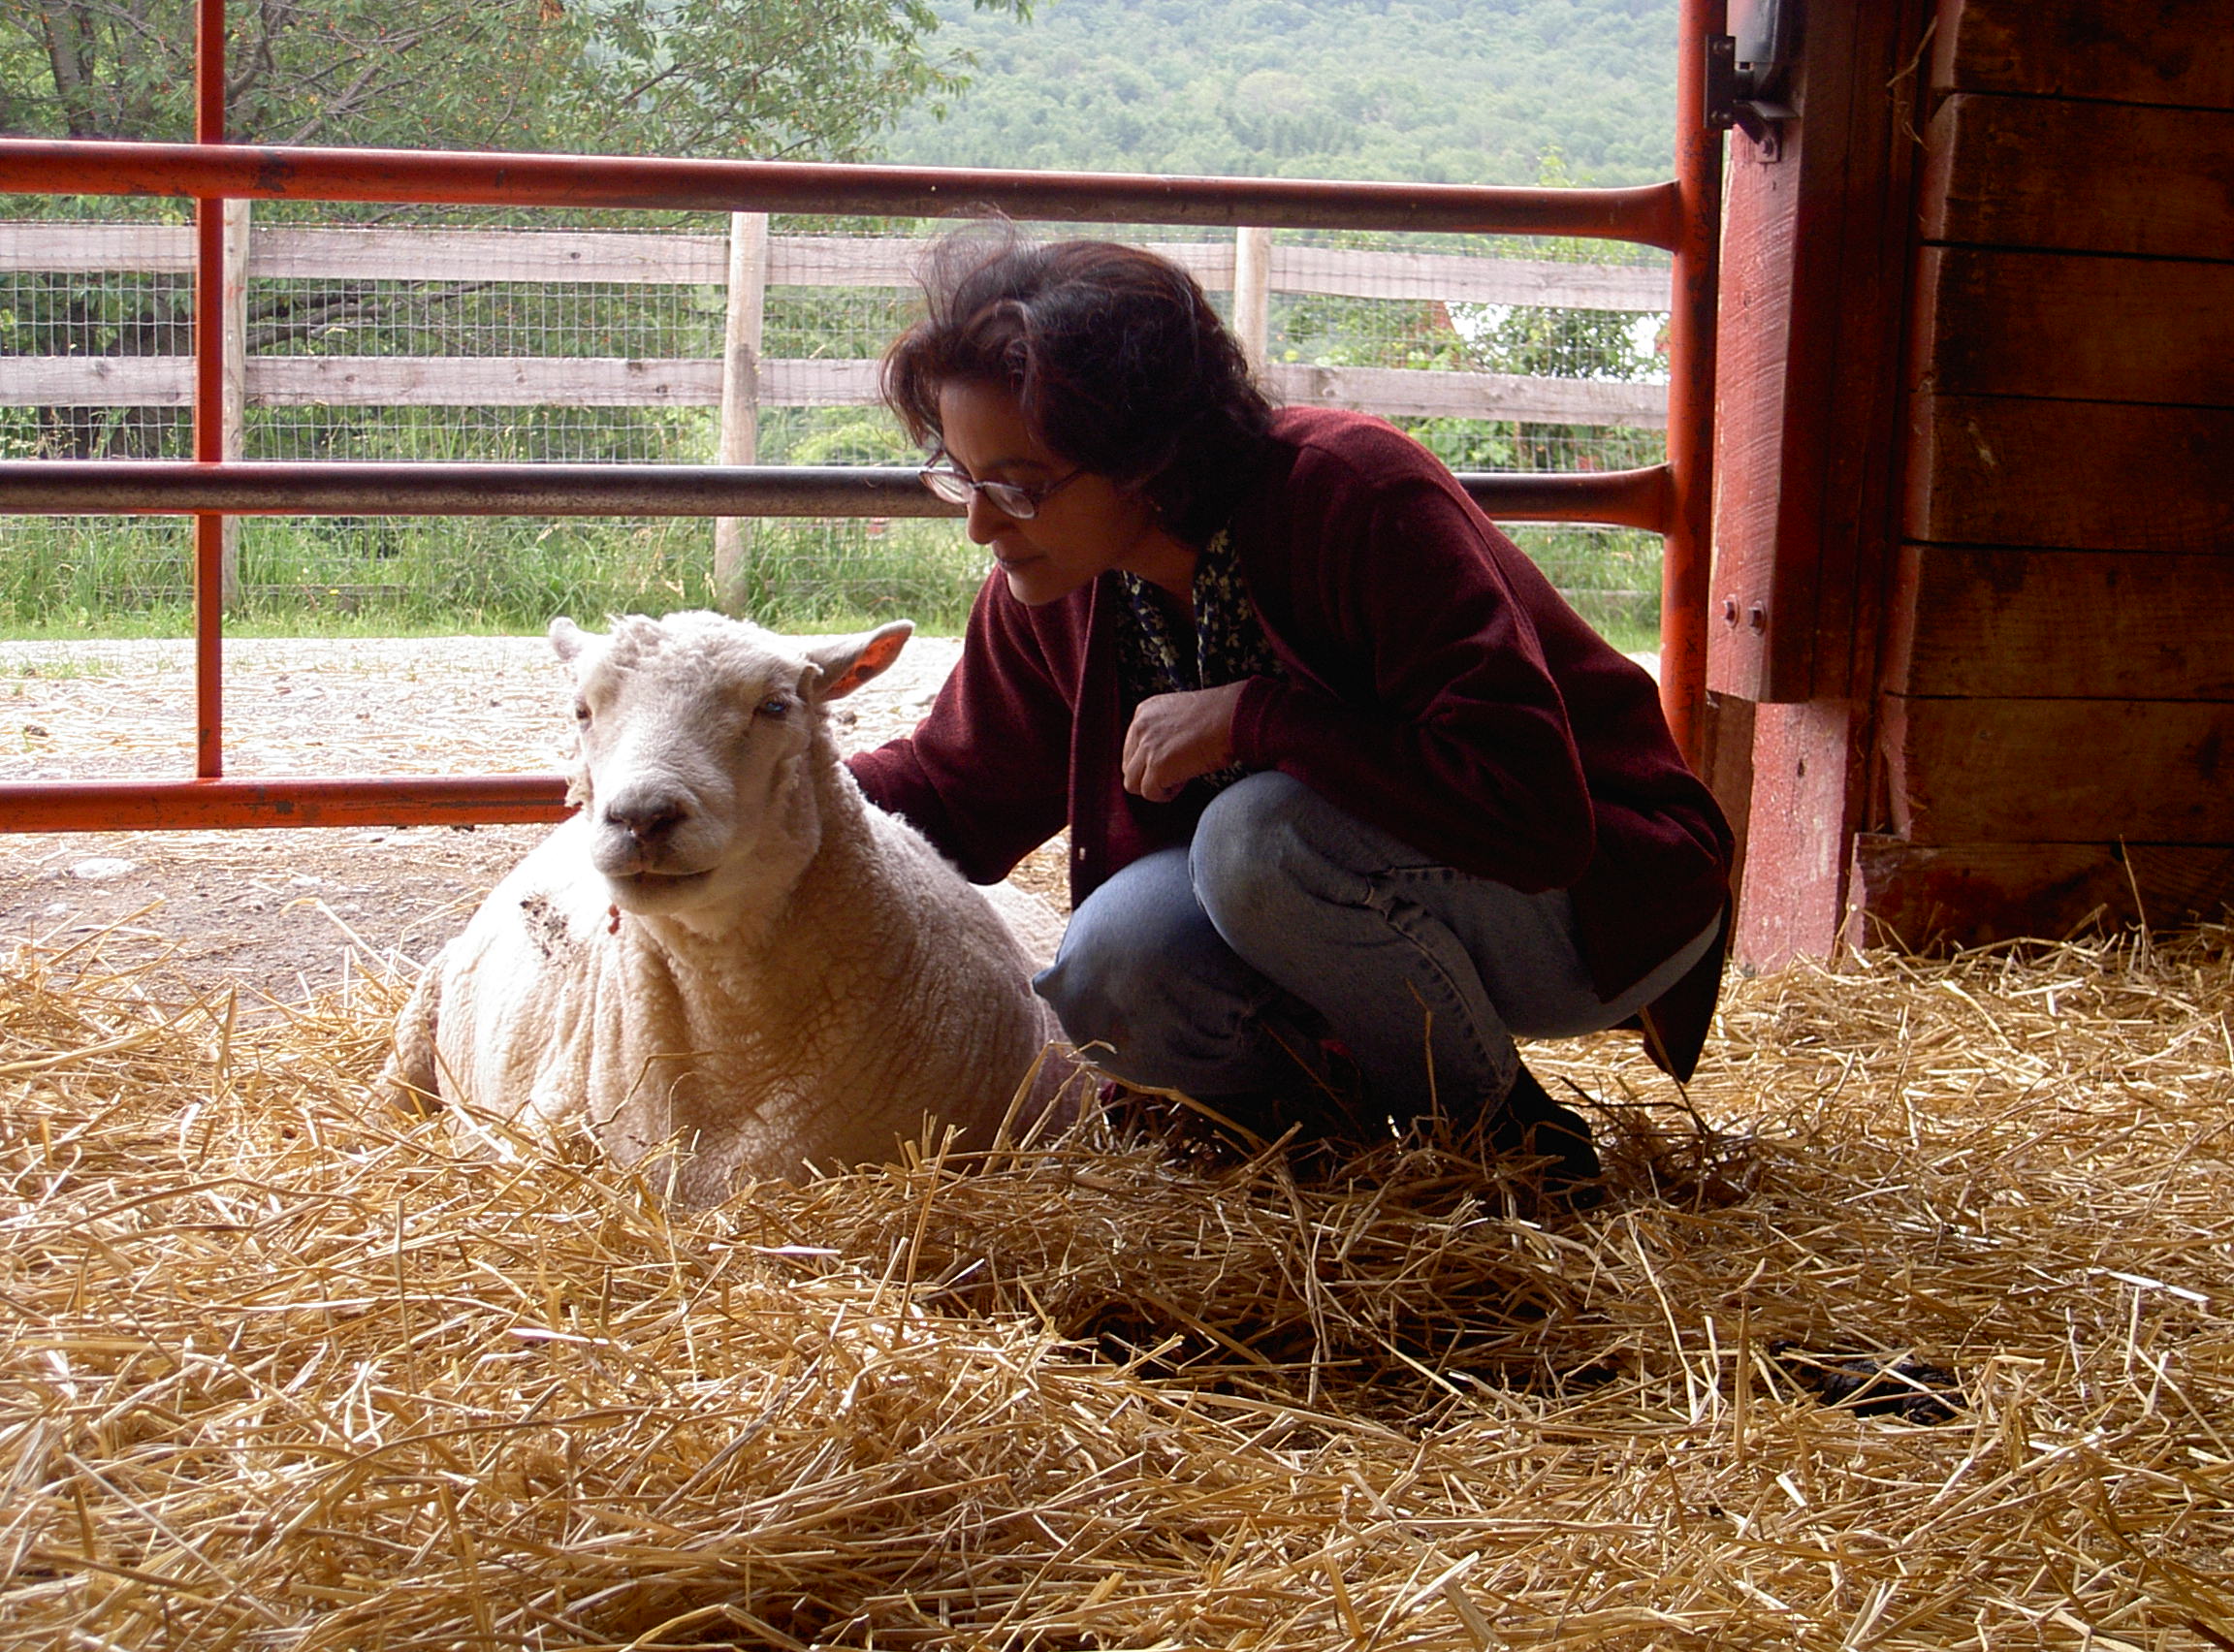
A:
{"points": [[694, 736]]}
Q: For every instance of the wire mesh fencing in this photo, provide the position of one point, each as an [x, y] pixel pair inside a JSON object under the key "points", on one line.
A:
{"points": [[441, 336]]}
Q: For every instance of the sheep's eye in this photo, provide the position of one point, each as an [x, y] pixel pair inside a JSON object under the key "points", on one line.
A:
{"points": [[775, 706], [582, 713]]}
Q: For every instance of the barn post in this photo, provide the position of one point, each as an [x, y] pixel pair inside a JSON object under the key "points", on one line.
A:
{"points": [[1253, 292], [236, 375], [1816, 249], [740, 435]]}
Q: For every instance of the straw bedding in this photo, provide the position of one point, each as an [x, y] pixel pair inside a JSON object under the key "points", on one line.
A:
{"points": [[281, 1370]]}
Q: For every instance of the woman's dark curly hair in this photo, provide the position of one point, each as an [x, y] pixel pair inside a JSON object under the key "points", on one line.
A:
{"points": [[1114, 355]]}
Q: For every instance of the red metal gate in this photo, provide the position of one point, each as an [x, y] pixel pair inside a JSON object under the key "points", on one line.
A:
{"points": [[1673, 500]]}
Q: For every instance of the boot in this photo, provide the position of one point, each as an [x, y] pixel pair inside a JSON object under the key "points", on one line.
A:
{"points": [[1530, 1125]]}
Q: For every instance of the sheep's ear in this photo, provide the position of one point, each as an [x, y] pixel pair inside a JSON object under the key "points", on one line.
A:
{"points": [[848, 662], [567, 639]]}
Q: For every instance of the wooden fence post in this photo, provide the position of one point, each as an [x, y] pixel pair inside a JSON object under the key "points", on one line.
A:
{"points": [[740, 386], [233, 406], [1252, 292]]}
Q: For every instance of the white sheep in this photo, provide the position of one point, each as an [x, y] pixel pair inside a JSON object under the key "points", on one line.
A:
{"points": [[728, 954]]}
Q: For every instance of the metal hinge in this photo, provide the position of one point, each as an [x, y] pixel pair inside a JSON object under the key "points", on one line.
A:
{"points": [[1746, 95]]}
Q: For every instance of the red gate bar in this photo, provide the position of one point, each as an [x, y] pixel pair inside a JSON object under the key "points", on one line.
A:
{"points": [[308, 800], [1682, 216], [1649, 214], [142, 486], [208, 399], [1688, 538]]}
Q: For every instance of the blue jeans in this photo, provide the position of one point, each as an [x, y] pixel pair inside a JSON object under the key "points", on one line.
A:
{"points": [[1223, 969]]}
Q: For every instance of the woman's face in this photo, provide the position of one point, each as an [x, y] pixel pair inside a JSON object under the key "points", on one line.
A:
{"points": [[1081, 530]]}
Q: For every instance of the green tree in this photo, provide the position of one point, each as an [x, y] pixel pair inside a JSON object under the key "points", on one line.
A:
{"points": [[1432, 91], [762, 78], [759, 78]]}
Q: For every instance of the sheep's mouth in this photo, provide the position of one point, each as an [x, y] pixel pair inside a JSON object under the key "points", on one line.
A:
{"points": [[649, 882]]}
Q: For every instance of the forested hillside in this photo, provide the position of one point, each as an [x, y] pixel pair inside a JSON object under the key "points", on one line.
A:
{"points": [[1458, 91]]}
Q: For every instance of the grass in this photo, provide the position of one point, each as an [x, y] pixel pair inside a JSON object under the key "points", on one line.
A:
{"points": [[126, 578], [1611, 575], [445, 577]]}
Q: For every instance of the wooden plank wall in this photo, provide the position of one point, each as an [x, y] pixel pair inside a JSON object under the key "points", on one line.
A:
{"points": [[2055, 727]]}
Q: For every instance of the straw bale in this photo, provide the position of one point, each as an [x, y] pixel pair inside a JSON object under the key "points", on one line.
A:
{"points": [[284, 1370]]}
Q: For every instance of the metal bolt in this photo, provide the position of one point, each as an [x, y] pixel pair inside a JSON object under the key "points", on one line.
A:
{"points": [[1729, 611], [1757, 616]]}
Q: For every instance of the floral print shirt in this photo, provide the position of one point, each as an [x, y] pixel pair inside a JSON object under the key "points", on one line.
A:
{"points": [[1154, 656]]}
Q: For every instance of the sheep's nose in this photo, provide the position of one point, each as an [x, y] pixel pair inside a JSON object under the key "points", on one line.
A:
{"points": [[648, 817]]}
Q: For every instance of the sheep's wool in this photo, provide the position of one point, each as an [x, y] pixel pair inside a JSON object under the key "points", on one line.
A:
{"points": [[727, 966]]}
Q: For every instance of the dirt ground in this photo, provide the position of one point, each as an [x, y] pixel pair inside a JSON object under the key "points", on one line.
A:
{"points": [[285, 913]]}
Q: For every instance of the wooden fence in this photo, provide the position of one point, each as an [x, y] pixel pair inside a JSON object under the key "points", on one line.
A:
{"points": [[746, 263]]}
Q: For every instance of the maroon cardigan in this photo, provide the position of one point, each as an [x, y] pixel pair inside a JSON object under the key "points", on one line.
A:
{"points": [[1437, 687]]}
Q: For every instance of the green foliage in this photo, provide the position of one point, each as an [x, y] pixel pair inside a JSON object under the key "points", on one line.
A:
{"points": [[1536, 342], [715, 77], [1441, 91], [834, 436], [754, 77], [1611, 575], [832, 576], [762, 78], [401, 73]]}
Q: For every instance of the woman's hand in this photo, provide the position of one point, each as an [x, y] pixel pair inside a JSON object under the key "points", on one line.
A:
{"points": [[1177, 738]]}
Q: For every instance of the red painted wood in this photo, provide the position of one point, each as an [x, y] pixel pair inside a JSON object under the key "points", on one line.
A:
{"points": [[1809, 775], [1816, 250], [1752, 431], [2058, 174], [2047, 770], [2063, 624], [1728, 769], [2076, 327], [2054, 739]]}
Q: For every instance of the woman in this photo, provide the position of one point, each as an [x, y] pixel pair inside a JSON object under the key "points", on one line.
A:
{"points": [[1352, 794]]}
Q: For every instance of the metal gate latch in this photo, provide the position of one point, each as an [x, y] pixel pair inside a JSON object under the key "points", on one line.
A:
{"points": [[1740, 95]]}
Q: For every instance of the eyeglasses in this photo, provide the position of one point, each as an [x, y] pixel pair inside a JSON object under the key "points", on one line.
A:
{"points": [[1019, 500]]}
